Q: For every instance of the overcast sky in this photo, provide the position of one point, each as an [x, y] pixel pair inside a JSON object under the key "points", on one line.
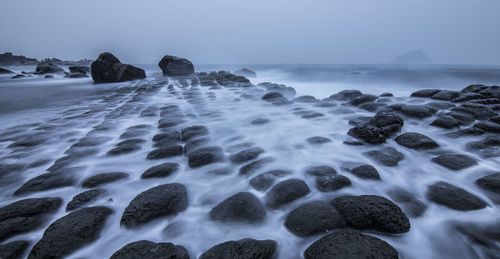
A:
{"points": [[256, 31]]}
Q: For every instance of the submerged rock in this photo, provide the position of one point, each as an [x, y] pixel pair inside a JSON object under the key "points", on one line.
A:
{"points": [[454, 197], [245, 72], [5, 71], [408, 201], [242, 249], [313, 218], [416, 141], [317, 140], [160, 201], [56, 179], [490, 182], [103, 178], [454, 161], [71, 232], [193, 131], [265, 180], [14, 250], [366, 172], [108, 69], [286, 192], [246, 155], [387, 156], [488, 147], [205, 156], [371, 212], [149, 250], [322, 170], [84, 198], [160, 171], [348, 244], [242, 207], [175, 66]]}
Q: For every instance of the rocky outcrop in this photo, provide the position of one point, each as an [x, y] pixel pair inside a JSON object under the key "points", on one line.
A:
{"points": [[108, 69], [174, 66], [48, 68]]}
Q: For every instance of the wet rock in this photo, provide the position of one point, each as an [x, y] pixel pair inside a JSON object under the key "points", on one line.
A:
{"points": [[488, 126], [71, 232], [242, 207], [133, 133], [255, 165], [416, 141], [317, 140], [408, 201], [331, 183], [488, 147], [365, 98], [228, 79], [286, 192], [359, 120], [160, 171], [265, 180], [205, 156], [366, 172], [260, 121], [272, 96], [311, 115], [446, 122], [84, 198], [72, 75], [122, 149], [477, 111], [108, 69], [18, 76], [415, 111], [306, 99], [170, 135], [53, 180], [476, 88], [314, 218], [440, 105], [321, 170], [345, 95], [383, 125], [371, 107], [386, 95], [371, 212], [387, 156], [368, 133], [467, 97], [29, 141], [425, 93], [165, 152], [446, 95], [26, 215], [490, 183], [149, 250], [5, 71], [14, 250], [175, 66], [466, 132], [246, 155], [103, 178], [454, 161], [160, 201], [242, 249], [47, 68], [288, 92], [193, 131], [79, 69], [169, 122], [454, 197], [495, 119], [347, 244], [245, 72]]}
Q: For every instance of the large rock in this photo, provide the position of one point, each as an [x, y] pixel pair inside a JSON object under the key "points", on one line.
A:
{"points": [[71, 232], [205, 156], [371, 212], [14, 250], [345, 95], [286, 192], [242, 207], [26, 215], [454, 197], [160, 201], [416, 141], [454, 161], [47, 67], [174, 66], [149, 250], [242, 249], [347, 244], [108, 69], [490, 182], [313, 218], [103, 178]]}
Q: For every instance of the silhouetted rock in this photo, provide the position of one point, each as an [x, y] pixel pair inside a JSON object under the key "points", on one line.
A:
{"points": [[174, 66], [490, 182], [84, 198], [71, 232], [108, 69], [242, 249], [454, 197], [416, 141], [412, 57], [103, 178], [149, 250], [454, 161], [286, 192], [242, 207], [160, 201], [160, 171], [313, 218]]}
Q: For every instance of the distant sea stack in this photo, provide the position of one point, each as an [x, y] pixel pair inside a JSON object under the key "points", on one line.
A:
{"points": [[108, 69], [175, 66], [412, 57]]}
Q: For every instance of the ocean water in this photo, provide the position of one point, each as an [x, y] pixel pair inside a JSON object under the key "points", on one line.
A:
{"points": [[64, 112]]}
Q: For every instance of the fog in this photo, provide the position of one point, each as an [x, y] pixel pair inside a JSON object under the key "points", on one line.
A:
{"points": [[258, 31]]}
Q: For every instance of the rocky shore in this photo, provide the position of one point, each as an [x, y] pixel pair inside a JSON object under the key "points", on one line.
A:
{"points": [[187, 164]]}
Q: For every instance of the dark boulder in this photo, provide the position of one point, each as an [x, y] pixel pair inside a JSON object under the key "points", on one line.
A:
{"points": [[14, 250], [330, 183], [454, 197], [48, 67], [365, 98], [108, 69], [246, 155], [242, 207], [271, 96], [387, 156], [321, 170], [446, 95], [265, 180], [383, 125], [71, 232], [286, 192], [490, 182], [103, 178], [165, 152], [245, 72], [193, 144], [425, 93], [446, 122], [5, 71], [347, 244], [170, 135], [416, 111], [84, 198], [160, 171], [149, 250], [174, 66], [242, 249], [160, 201], [255, 165], [345, 95], [260, 121], [79, 69], [371, 212], [366, 172], [454, 161], [476, 111], [314, 218], [205, 156], [416, 141], [52, 180], [367, 133]]}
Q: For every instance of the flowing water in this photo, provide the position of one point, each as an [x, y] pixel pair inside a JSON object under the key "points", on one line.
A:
{"points": [[61, 112]]}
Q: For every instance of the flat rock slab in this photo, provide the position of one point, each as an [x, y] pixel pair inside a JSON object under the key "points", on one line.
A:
{"points": [[314, 218], [416, 141], [454, 161], [242, 207], [242, 249], [454, 197], [286, 192], [103, 178], [160, 201], [371, 212], [150, 250], [71, 232], [386, 156], [346, 244]]}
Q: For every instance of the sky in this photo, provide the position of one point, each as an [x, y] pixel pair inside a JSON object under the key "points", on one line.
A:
{"points": [[254, 32]]}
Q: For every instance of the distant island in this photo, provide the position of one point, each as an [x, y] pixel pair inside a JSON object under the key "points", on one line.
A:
{"points": [[412, 57], [8, 59]]}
